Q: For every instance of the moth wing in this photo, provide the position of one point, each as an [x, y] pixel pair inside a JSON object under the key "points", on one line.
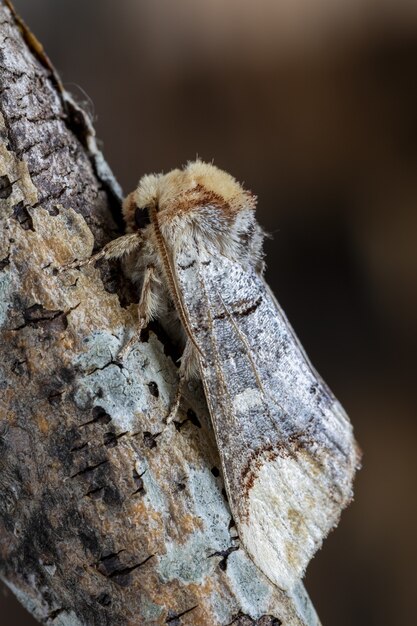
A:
{"points": [[286, 444]]}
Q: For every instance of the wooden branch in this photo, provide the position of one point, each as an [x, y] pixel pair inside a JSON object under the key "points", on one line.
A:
{"points": [[107, 515]]}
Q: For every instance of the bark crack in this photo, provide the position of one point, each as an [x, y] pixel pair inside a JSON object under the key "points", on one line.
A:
{"points": [[90, 468]]}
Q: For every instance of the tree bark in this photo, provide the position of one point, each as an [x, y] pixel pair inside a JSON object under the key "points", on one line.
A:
{"points": [[107, 515]]}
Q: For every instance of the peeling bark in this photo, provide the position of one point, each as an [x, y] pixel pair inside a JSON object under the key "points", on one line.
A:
{"points": [[107, 515]]}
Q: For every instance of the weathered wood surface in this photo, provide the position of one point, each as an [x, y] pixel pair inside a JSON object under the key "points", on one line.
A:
{"points": [[107, 515]]}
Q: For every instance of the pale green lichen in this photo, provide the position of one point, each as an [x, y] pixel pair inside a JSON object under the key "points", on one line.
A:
{"points": [[223, 607], [121, 391], [186, 562], [251, 589], [209, 505], [193, 560], [154, 495], [303, 605], [150, 611]]}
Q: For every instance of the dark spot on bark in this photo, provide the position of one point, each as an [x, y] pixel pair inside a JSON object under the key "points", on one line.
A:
{"points": [[171, 349], [110, 439], [20, 367], [153, 388], [137, 479], [181, 486], [66, 374], [79, 447], [39, 537], [174, 618], [193, 418], [122, 579], [224, 554], [90, 468], [112, 496], [89, 540], [140, 491], [144, 335], [22, 215], [149, 439], [6, 187], [55, 398], [100, 416], [240, 619], [215, 471], [61, 443], [4, 262], [99, 393], [109, 563], [53, 210], [37, 316], [268, 620], [104, 599], [55, 613], [53, 389], [110, 275], [58, 325], [313, 388], [96, 493], [127, 292], [111, 567]]}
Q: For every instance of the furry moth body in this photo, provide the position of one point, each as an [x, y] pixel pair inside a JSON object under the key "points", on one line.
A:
{"points": [[286, 445]]}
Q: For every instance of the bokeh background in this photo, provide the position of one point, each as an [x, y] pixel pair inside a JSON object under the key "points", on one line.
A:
{"points": [[313, 104]]}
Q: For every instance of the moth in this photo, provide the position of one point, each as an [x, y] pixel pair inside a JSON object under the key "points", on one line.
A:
{"points": [[286, 445]]}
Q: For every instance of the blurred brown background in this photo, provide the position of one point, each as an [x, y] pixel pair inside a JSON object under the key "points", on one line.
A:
{"points": [[314, 105]]}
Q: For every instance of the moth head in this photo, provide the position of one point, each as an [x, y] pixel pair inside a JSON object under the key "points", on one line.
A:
{"points": [[200, 195], [201, 203]]}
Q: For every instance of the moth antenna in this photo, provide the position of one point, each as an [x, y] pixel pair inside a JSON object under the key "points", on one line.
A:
{"points": [[213, 340], [172, 279]]}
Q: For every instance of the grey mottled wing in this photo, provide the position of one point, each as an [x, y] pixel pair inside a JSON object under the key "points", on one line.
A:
{"points": [[285, 442]]}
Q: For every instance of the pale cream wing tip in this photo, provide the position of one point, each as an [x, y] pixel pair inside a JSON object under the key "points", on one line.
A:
{"points": [[289, 513]]}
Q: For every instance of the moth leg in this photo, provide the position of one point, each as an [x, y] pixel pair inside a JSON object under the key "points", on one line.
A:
{"points": [[113, 250], [146, 308], [188, 368]]}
